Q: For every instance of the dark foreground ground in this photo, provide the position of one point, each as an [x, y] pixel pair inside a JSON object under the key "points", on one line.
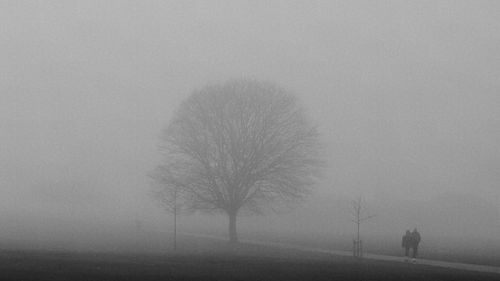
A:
{"points": [[216, 262]]}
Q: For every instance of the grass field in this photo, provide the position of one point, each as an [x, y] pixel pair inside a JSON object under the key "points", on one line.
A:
{"points": [[201, 259]]}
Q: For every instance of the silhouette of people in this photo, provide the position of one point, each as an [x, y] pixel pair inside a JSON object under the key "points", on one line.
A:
{"points": [[406, 244], [415, 240]]}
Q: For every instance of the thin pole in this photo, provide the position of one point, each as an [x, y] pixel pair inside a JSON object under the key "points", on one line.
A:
{"points": [[175, 228], [358, 222], [175, 219]]}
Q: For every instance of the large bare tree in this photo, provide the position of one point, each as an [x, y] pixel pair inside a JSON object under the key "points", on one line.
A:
{"points": [[243, 145]]}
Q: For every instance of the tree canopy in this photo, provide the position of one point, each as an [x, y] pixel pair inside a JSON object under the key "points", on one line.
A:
{"points": [[241, 145]]}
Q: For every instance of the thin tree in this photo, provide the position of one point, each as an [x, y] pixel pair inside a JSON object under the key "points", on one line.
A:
{"points": [[360, 215], [168, 195], [239, 146]]}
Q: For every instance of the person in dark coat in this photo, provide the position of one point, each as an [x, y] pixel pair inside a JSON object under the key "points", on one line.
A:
{"points": [[406, 244], [415, 240]]}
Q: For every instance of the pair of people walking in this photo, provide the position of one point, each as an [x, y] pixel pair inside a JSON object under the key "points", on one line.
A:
{"points": [[411, 241]]}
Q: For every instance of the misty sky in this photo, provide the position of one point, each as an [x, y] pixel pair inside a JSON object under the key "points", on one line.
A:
{"points": [[406, 94]]}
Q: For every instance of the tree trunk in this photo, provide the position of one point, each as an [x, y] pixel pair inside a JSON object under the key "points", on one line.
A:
{"points": [[233, 236], [175, 229]]}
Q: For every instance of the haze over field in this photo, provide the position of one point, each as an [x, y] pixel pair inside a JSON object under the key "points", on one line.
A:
{"points": [[405, 95]]}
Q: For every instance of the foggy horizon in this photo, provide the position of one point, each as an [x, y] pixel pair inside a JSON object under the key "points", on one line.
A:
{"points": [[405, 96]]}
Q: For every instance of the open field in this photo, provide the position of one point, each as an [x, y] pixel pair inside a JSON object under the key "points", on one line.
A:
{"points": [[158, 242], [201, 259]]}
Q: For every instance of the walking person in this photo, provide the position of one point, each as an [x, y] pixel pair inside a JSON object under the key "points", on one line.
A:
{"points": [[406, 244], [415, 240]]}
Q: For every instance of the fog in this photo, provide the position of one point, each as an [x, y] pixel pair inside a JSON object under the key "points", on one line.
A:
{"points": [[405, 94]]}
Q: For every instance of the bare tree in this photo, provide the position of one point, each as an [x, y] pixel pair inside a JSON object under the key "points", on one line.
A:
{"points": [[168, 195], [360, 215], [242, 145]]}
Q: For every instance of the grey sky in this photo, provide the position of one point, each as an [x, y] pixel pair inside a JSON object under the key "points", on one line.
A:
{"points": [[406, 93]]}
